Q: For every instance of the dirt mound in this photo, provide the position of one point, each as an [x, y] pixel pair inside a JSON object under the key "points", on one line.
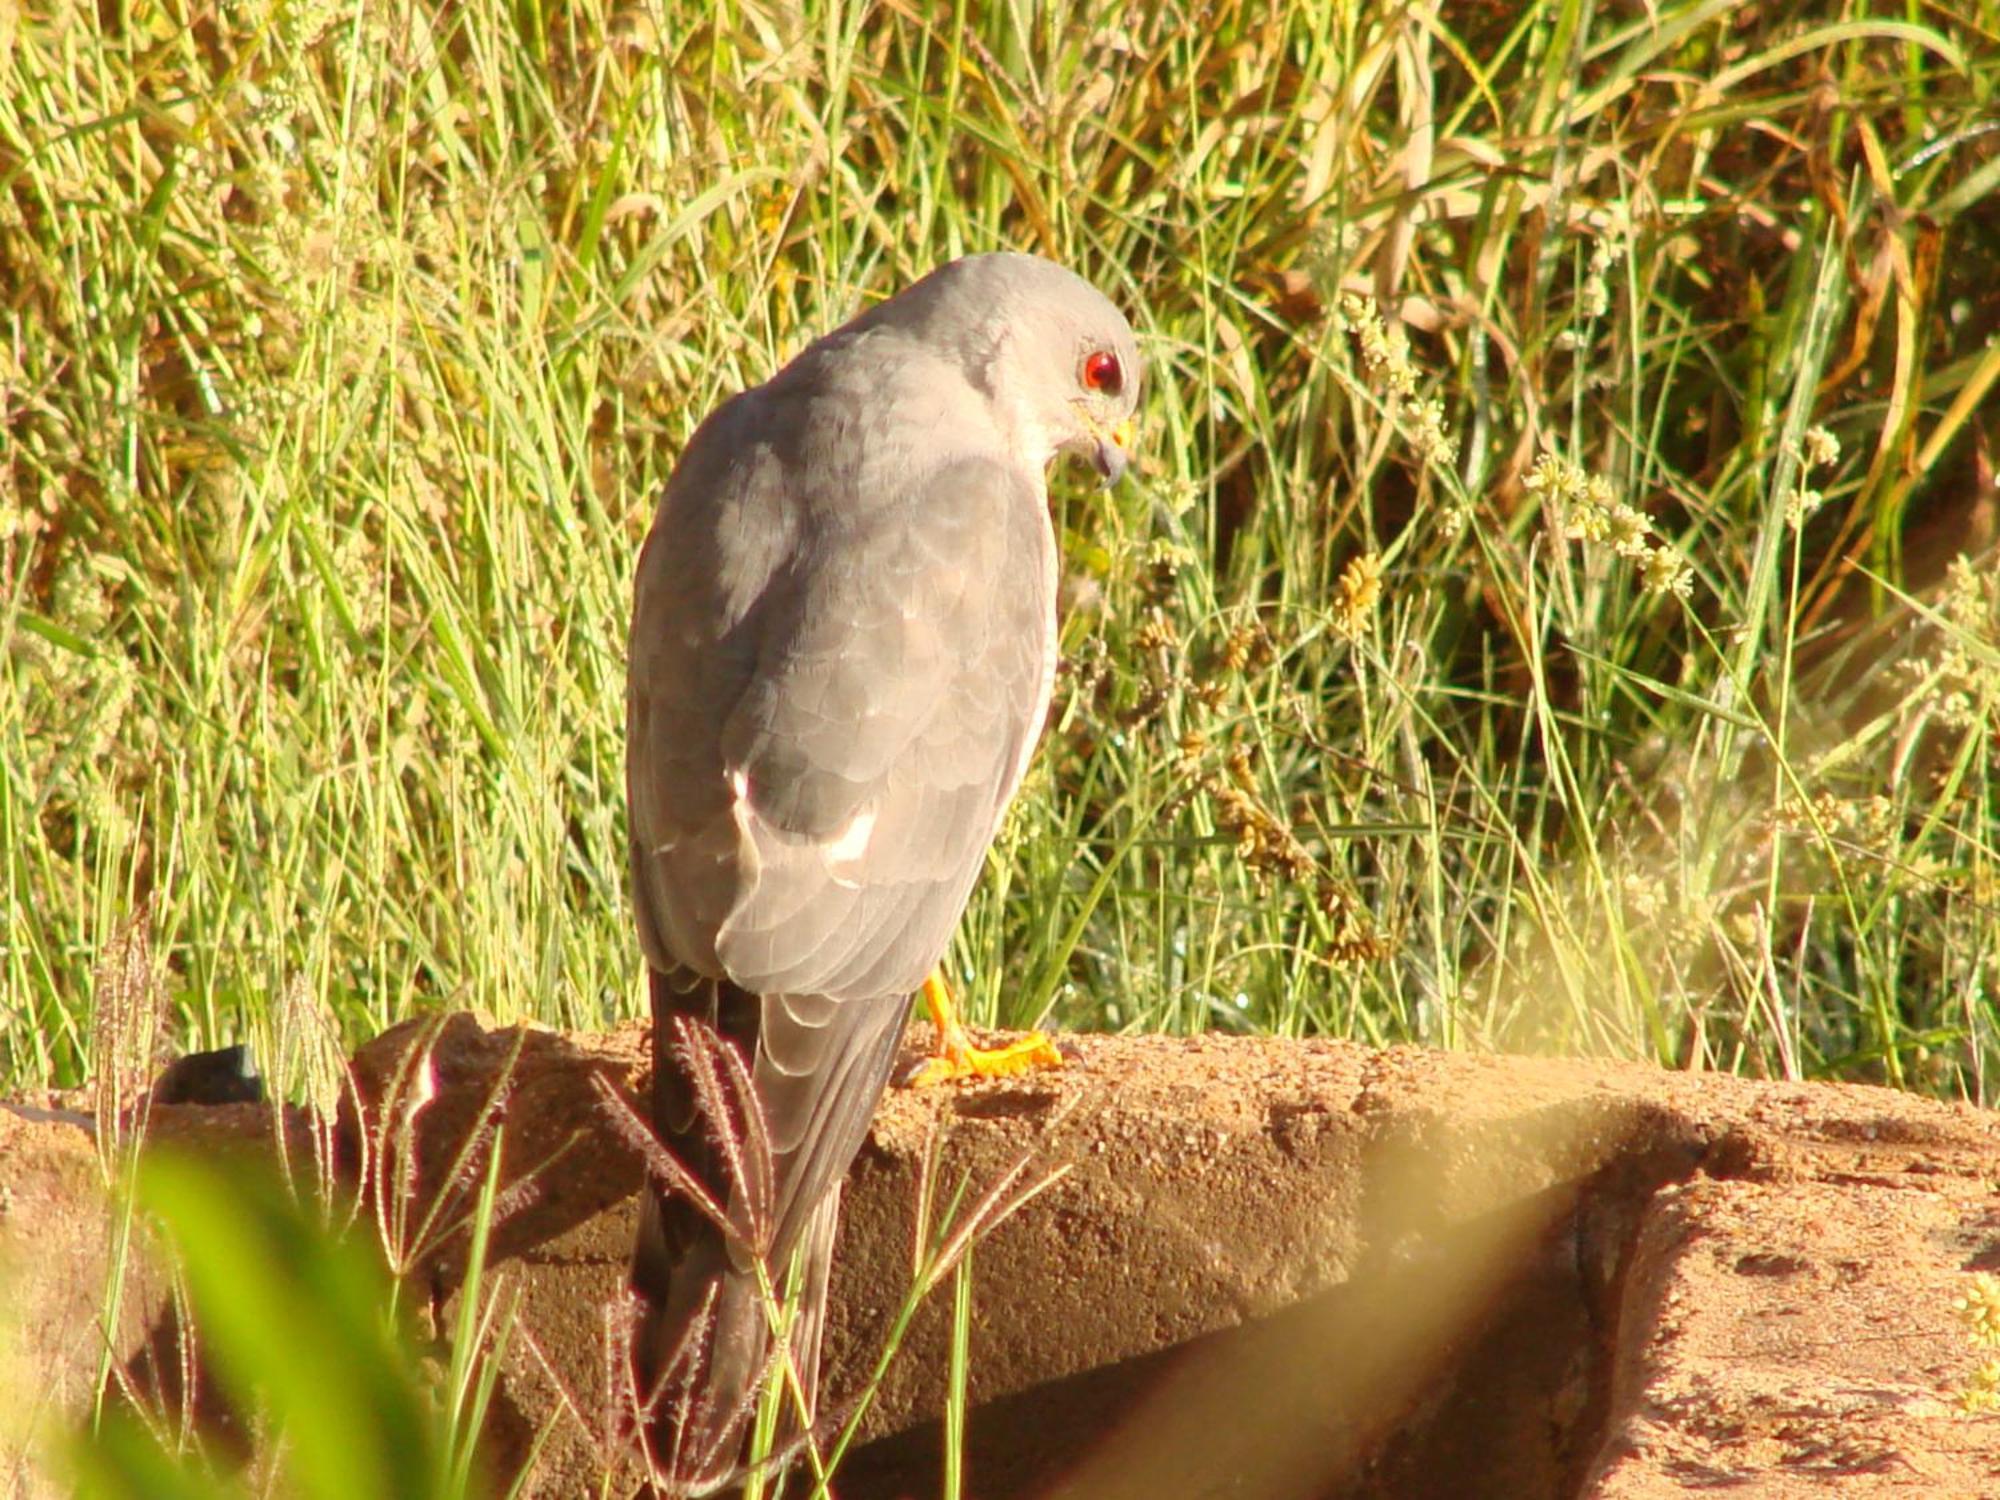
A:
{"points": [[1267, 1268]]}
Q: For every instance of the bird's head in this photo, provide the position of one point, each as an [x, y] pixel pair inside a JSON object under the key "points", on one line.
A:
{"points": [[1053, 354]]}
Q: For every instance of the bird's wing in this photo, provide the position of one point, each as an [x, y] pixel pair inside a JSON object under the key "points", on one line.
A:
{"points": [[827, 714]]}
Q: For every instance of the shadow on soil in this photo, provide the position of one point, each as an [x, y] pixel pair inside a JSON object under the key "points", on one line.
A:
{"points": [[1351, 1394]]}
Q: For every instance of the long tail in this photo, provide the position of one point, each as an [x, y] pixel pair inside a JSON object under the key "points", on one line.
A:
{"points": [[703, 1344]]}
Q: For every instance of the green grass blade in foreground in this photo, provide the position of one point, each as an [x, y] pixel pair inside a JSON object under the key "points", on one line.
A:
{"points": [[469, 1387], [958, 1378], [295, 1321], [122, 1460]]}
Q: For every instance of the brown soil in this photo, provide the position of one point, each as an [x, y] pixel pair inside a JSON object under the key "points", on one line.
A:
{"points": [[1270, 1269]]}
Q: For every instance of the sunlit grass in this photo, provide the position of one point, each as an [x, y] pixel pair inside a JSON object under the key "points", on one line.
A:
{"points": [[346, 346]]}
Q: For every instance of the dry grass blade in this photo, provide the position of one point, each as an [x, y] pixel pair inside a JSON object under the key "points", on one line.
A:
{"points": [[392, 1165], [128, 1037], [458, 1185], [612, 1427], [298, 1048], [1413, 163], [998, 1204], [733, 1119], [662, 1166], [319, 719]]}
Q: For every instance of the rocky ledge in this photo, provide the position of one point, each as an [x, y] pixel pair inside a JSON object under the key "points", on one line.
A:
{"points": [[1252, 1268]]}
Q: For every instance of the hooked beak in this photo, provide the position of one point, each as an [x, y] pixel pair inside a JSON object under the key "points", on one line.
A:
{"points": [[1114, 451]]}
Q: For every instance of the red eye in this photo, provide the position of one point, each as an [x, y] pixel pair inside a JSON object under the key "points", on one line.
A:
{"points": [[1101, 373]]}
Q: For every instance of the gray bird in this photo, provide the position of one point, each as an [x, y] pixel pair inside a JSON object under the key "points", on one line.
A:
{"points": [[843, 642]]}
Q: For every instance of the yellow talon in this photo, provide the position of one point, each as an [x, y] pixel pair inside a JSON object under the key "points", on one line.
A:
{"points": [[957, 1057]]}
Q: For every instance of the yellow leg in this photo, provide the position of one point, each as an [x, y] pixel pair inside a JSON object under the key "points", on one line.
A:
{"points": [[956, 1057]]}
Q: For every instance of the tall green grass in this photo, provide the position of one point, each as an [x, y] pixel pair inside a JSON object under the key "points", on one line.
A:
{"points": [[344, 346]]}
